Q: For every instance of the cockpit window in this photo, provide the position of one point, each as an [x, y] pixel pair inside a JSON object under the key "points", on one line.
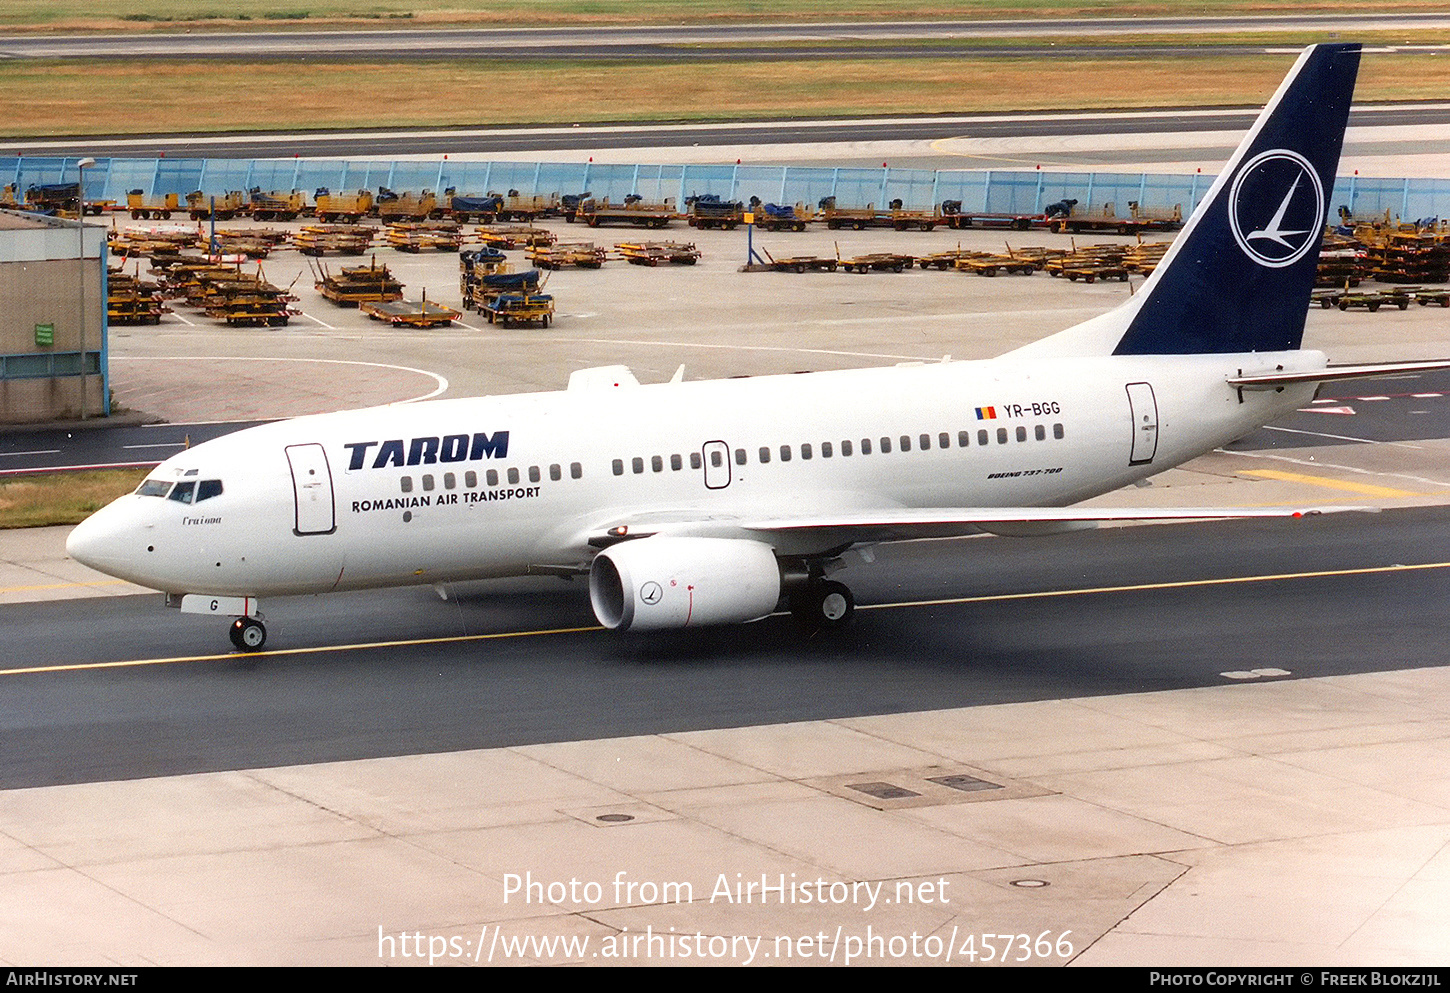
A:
{"points": [[208, 488], [154, 487], [183, 492]]}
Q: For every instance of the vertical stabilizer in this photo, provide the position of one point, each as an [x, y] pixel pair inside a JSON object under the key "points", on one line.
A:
{"points": [[1238, 277]]}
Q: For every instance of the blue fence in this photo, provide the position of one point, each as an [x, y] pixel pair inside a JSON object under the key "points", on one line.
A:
{"points": [[991, 191]]}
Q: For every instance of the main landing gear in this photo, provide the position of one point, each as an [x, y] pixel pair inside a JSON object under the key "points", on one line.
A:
{"points": [[822, 605], [248, 634]]}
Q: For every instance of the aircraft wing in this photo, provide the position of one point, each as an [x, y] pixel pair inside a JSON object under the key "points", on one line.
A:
{"points": [[899, 524]]}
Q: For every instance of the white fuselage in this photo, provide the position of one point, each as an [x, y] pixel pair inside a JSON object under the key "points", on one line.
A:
{"points": [[409, 493]]}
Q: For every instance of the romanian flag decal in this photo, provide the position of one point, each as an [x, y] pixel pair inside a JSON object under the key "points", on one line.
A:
{"points": [[986, 413]]}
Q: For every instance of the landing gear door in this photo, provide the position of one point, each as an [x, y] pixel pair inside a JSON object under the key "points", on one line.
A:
{"points": [[717, 464], [312, 488], [1143, 408]]}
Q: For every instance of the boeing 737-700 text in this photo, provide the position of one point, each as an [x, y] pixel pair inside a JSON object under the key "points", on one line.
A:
{"points": [[712, 502]]}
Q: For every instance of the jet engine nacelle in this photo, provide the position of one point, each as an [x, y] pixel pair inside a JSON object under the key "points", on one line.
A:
{"points": [[662, 582]]}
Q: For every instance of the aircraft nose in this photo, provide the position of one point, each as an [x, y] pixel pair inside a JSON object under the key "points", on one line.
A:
{"points": [[84, 542], [97, 541]]}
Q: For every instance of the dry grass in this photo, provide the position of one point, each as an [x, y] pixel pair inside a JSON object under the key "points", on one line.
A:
{"points": [[67, 98], [153, 15], [62, 498]]}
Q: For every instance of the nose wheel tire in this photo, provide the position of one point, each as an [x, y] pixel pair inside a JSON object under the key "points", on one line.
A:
{"points": [[824, 605], [248, 634]]}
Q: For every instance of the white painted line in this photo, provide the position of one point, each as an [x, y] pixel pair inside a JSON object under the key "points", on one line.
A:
{"points": [[441, 387], [168, 444], [239, 420], [1342, 437], [745, 348], [73, 468], [323, 323], [12, 455]]}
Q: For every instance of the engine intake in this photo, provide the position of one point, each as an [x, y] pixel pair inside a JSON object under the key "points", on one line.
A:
{"points": [[662, 582]]}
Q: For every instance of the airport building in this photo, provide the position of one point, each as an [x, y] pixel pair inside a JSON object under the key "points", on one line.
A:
{"points": [[52, 319]]}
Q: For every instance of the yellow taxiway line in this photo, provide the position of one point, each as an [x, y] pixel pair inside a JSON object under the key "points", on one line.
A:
{"points": [[949, 601], [62, 586], [1325, 481], [1178, 585]]}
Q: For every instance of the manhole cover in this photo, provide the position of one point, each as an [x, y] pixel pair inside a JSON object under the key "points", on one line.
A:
{"points": [[883, 791], [966, 784]]}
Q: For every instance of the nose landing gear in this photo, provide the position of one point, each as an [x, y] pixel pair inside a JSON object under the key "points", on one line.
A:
{"points": [[248, 634]]}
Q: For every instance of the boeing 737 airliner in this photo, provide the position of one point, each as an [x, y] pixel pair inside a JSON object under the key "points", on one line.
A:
{"points": [[692, 503]]}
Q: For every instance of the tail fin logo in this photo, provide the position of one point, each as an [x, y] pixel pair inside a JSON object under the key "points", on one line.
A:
{"points": [[1276, 208]]}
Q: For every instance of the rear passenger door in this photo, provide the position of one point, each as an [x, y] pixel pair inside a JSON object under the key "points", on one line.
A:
{"points": [[1143, 409]]}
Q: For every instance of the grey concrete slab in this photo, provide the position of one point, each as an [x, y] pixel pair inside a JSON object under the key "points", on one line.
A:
{"points": [[1247, 858]]}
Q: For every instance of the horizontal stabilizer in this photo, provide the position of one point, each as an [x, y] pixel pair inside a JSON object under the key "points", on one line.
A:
{"points": [[1329, 374]]}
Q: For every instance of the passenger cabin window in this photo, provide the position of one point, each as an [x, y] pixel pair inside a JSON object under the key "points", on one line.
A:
{"points": [[1040, 432], [964, 439], [449, 480], [826, 451], [576, 471], [906, 443], [982, 436], [534, 475], [1057, 431], [637, 464], [716, 459], [618, 466], [740, 456], [865, 446], [845, 448], [785, 453], [695, 460], [764, 455], [556, 472], [1001, 436], [470, 479], [513, 476], [676, 463], [428, 481], [406, 484], [1021, 433], [491, 477], [806, 450], [885, 446], [657, 463]]}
